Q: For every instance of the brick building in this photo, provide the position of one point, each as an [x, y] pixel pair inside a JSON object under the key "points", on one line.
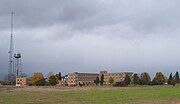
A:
{"points": [[23, 81], [118, 76], [76, 78], [82, 78]]}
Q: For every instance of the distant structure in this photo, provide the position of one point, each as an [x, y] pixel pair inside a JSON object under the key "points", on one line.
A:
{"points": [[11, 76], [17, 65], [23, 81], [117, 76], [76, 78]]}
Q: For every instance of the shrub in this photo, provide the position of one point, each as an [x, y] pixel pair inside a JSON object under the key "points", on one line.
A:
{"points": [[120, 84], [97, 81], [127, 79], [111, 80], [41, 82]]}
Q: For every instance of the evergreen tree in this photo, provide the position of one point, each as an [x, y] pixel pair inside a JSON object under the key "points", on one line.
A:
{"points": [[102, 79], [96, 81], [170, 79], [127, 79], [176, 77], [159, 79], [173, 82], [145, 78], [59, 76], [136, 79]]}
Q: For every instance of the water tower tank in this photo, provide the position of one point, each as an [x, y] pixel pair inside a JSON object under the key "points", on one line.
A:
{"points": [[17, 55]]}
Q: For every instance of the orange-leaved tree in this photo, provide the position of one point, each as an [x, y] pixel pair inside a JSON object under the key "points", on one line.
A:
{"points": [[37, 77]]}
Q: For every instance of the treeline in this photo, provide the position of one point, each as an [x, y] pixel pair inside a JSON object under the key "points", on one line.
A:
{"points": [[142, 79], [159, 79], [39, 80]]}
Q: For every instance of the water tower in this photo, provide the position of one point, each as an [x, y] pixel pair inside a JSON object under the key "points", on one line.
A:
{"points": [[17, 64]]}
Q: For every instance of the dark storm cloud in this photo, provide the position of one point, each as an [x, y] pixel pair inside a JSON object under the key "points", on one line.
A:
{"points": [[86, 35]]}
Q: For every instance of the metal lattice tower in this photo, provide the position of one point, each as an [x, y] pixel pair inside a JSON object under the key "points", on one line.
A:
{"points": [[11, 77]]}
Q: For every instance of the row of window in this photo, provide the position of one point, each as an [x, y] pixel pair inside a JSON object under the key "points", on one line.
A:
{"points": [[19, 79]]}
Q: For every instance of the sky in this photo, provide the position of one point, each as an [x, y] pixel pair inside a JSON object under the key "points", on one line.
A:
{"points": [[92, 35]]}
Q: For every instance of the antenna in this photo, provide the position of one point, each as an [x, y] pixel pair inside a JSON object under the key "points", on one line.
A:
{"points": [[11, 77]]}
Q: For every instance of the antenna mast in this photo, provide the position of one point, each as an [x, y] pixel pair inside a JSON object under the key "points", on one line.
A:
{"points": [[11, 77]]}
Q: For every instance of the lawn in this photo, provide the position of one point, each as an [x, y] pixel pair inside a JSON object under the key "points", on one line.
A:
{"points": [[93, 95]]}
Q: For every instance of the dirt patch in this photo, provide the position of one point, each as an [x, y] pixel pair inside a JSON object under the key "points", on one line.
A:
{"points": [[176, 102]]}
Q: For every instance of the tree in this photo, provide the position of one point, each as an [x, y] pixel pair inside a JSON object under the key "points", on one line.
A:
{"points": [[2, 83], [53, 80], [36, 78], [41, 82], [170, 79], [111, 80], [102, 79], [176, 77], [127, 79], [136, 79], [173, 82], [96, 81], [159, 79], [59, 76], [145, 78]]}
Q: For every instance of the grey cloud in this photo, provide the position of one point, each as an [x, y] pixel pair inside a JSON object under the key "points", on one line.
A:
{"points": [[144, 16], [37, 13], [87, 35]]}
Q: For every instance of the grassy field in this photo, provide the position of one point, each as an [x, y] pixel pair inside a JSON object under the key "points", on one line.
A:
{"points": [[93, 95]]}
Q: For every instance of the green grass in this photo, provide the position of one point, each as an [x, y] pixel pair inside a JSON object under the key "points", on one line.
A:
{"points": [[95, 95]]}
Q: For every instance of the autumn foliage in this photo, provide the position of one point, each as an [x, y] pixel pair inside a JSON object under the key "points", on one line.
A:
{"points": [[37, 77]]}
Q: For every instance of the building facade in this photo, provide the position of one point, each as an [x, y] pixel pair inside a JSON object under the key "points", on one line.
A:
{"points": [[23, 81], [76, 78], [82, 78], [118, 76]]}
